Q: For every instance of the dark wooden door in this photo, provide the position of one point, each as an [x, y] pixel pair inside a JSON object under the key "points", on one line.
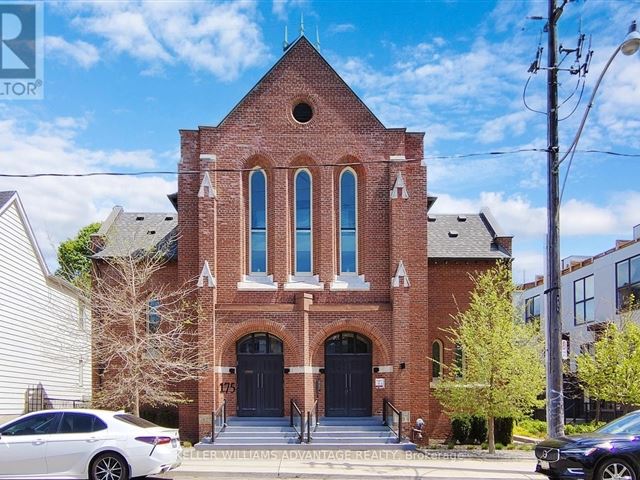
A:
{"points": [[260, 385], [347, 376]]}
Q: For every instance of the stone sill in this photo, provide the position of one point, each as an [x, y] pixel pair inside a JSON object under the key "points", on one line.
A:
{"points": [[303, 283], [349, 283], [257, 283]]}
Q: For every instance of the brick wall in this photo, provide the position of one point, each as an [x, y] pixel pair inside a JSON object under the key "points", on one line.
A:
{"points": [[400, 322]]}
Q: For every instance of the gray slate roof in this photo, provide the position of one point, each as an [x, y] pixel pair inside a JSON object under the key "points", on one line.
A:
{"points": [[5, 197], [474, 239], [125, 233]]}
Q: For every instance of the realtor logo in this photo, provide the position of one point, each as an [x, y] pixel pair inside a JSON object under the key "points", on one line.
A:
{"points": [[20, 50]]}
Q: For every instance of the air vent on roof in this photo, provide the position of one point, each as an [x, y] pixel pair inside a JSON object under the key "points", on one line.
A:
{"points": [[431, 219], [168, 219], [139, 219], [453, 233], [462, 218], [151, 232]]}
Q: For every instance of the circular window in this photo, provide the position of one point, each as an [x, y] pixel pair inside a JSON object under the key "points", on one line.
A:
{"points": [[302, 112]]}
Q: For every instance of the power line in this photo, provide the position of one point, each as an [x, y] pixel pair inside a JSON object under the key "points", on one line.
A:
{"points": [[295, 167]]}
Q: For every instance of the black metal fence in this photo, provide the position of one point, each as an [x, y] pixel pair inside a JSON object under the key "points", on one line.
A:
{"points": [[37, 399]]}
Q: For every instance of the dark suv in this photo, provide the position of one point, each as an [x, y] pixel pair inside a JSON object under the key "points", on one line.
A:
{"points": [[610, 453]]}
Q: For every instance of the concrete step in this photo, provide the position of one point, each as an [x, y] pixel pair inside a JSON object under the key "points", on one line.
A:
{"points": [[350, 420], [351, 428], [247, 430], [258, 421], [233, 434], [372, 434], [333, 433]]}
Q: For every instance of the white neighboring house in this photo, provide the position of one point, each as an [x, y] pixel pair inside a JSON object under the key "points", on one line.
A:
{"points": [[593, 290], [44, 326]]}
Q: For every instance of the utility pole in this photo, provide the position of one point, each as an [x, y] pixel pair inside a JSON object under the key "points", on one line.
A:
{"points": [[555, 398]]}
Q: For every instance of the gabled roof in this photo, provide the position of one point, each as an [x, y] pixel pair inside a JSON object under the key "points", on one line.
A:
{"points": [[11, 197], [126, 233], [300, 42], [464, 236]]}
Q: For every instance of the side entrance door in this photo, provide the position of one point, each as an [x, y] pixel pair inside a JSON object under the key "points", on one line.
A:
{"points": [[347, 375], [260, 376]]}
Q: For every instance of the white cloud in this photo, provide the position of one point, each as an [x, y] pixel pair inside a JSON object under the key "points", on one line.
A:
{"points": [[335, 28], [496, 129], [58, 207], [281, 7], [82, 53], [219, 38], [520, 217]]}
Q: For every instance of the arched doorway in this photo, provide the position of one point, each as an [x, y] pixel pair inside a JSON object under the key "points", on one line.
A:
{"points": [[260, 376], [347, 364]]}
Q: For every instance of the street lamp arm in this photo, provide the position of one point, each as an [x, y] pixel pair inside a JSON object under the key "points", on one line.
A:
{"points": [[576, 139]]}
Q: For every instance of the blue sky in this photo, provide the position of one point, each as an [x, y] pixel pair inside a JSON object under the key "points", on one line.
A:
{"points": [[122, 78]]}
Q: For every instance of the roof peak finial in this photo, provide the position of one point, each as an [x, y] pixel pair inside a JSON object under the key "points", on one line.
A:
{"points": [[317, 38], [285, 43], [301, 24]]}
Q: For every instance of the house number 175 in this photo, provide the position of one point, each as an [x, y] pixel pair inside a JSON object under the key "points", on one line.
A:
{"points": [[227, 387]]}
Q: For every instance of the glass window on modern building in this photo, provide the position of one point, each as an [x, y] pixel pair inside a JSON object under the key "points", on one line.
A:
{"points": [[584, 302], [532, 309], [628, 282]]}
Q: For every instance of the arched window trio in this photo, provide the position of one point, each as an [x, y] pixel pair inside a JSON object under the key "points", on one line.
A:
{"points": [[303, 222]]}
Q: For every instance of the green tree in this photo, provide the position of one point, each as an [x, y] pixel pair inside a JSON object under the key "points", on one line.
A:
{"points": [[502, 370], [73, 257], [612, 371]]}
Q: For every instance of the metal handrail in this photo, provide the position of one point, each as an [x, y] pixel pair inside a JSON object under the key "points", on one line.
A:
{"points": [[314, 412], [386, 406], [296, 410], [219, 414]]}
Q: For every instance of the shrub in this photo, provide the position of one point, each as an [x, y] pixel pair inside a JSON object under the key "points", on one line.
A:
{"points": [[528, 427], [573, 429], [503, 430], [478, 433], [460, 429]]}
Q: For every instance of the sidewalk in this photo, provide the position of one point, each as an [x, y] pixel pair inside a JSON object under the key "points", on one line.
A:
{"points": [[347, 464]]}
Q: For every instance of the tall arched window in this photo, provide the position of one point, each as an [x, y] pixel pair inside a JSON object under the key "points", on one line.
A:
{"points": [[303, 223], [258, 221], [458, 358], [348, 222], [436, 359]]}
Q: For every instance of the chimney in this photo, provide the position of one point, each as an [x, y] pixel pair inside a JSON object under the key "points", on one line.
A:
{"points": [[636, 232]]}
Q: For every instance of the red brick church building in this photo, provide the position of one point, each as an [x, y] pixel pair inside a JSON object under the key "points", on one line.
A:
{"points": [[321, 275]]}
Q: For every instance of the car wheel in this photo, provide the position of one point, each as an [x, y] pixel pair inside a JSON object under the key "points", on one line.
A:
{"points": [[616, 469], [108, 466]]}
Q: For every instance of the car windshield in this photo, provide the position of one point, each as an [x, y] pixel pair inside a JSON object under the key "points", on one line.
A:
{"points": [[629, 424], [133, 420]]}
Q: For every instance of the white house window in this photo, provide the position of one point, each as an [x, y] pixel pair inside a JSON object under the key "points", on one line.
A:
{"points": [[258, 222], [81, 372], [532, 309], [348, 222], [584, 302], [628, 281], [303, 223], [153, 315], [436, 359], [82, 316]]}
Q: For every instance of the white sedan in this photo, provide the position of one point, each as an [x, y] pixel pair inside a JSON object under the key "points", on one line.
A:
{"points": [[78, 444]]}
